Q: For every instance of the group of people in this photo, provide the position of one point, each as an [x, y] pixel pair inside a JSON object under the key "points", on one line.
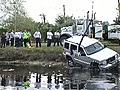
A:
{"points": [[22, 39], [17, 38], [37, 36], [56, 38]]}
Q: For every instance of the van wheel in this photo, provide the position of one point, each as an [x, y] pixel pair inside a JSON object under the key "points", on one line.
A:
{"points": [[70, 62]]}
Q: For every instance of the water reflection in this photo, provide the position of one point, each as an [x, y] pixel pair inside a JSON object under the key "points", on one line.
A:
{"points": [[59, 78]]}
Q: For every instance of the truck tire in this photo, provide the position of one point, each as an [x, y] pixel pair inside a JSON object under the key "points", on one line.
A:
{"points": [[70, 62], [62, 39], [94, 65]]}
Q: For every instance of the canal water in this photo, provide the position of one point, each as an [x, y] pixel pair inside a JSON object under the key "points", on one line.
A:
{"points": [[57, 78]]}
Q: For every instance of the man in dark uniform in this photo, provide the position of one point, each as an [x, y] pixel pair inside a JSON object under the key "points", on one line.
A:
{"points": [[3, 40]]}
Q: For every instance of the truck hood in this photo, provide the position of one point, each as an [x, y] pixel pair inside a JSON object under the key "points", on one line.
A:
{"points": [[103, 54]]}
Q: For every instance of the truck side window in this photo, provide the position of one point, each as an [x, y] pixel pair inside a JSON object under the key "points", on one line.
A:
{"points": [[66, 45], [73, 47], [82, 51]]}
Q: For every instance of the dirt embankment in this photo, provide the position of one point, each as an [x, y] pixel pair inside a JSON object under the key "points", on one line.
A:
{"points": [[30, 57]]}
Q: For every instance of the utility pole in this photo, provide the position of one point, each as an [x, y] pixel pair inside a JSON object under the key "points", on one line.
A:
{"points": [[87, 21], [92, 8], [43, 17], [64, 11], [93, 28], [94, 16], [119, 8]]}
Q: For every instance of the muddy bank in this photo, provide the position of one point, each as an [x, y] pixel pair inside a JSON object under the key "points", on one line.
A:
{"points": [[31, 57]]}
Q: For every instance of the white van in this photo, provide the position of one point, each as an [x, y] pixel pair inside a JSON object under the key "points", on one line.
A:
{"points": [[90, 52]]}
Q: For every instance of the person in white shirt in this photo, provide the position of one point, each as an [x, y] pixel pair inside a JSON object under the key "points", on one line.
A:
{"points": [[12, 38], [20, 34], [37, 36], [49, 38], [56, 38], [7, 38], [16, 35]]}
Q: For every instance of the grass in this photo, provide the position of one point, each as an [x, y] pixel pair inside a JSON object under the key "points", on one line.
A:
{"points": [[43, 49], [115, 48], [52, 49]]}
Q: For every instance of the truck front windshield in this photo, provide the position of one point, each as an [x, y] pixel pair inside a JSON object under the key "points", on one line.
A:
{"points": [[96, 47]]}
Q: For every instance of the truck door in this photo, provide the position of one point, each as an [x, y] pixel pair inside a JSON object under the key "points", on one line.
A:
{"points": [[81, 57]]}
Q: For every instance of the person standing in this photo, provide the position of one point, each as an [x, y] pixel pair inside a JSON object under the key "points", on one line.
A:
{"points": [[26, 82], [16, 35], [3, 81], [12, 38], [49, 38], [29, 37], [7, 38], [56, 38], [37, 36], [25, 38], [20, 33], [3, 40], [103, 34]]}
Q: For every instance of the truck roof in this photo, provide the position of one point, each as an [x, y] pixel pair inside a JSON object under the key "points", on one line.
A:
{"points": [[86, 40]]}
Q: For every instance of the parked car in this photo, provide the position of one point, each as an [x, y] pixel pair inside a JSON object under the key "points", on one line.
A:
{"points": [[91, 52]]}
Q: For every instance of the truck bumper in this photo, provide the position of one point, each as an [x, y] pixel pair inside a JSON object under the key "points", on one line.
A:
{"points": [[112, 65]]}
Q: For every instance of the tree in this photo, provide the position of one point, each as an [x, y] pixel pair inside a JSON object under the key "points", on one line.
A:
{"points": [[44, 28], [11, 9], [117, 21], [62, 21]]}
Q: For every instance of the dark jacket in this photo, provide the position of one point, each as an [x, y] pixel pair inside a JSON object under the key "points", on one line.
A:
{"points": [[3, 37]]}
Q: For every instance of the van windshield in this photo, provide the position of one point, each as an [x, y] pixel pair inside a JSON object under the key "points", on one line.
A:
{"points": [[94, 48]]}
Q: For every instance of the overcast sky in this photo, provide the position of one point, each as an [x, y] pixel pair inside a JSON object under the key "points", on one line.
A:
{"points": [[105, 9]]}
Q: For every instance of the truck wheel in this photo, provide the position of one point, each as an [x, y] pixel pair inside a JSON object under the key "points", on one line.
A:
{"points": [[94, 65], [62, 39], [79, 65], [70, 62]]}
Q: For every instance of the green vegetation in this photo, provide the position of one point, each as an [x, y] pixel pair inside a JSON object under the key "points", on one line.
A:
{"points": [[40, 54], [43, 49], [14, 16], [116, 48]]}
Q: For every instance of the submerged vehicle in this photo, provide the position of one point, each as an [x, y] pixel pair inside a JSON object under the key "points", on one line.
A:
{"points": [[91, 52]]}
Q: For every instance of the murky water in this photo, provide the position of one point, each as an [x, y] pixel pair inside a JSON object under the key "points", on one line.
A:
{"points": [[58, 78]]}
